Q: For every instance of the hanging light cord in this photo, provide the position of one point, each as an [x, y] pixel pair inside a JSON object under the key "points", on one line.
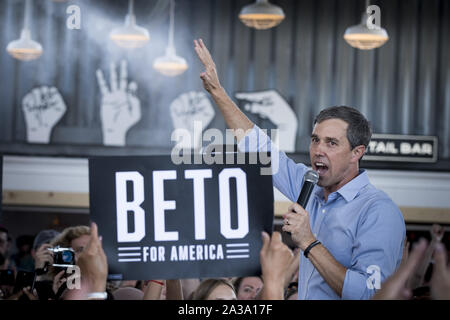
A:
{"points": [[27, 15], [172, 23], [131, 7]]}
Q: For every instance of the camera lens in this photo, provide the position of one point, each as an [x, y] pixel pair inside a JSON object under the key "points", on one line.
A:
{"points": [[67, 256]]}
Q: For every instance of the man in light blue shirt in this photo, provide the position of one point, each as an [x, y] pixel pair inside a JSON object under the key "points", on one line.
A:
{"points": [[351, 234]]}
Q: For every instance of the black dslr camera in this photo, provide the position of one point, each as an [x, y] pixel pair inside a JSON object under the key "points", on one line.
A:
{"points": [[63, 257]]}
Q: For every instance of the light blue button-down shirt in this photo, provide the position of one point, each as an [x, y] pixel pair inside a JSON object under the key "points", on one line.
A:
{"points": [[359, 225]]}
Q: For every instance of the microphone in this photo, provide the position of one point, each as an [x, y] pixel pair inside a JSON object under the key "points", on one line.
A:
{"points": [[311, 178]]}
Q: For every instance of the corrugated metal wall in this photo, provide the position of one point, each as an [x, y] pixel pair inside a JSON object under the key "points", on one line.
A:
{"points": [[403, 87]]}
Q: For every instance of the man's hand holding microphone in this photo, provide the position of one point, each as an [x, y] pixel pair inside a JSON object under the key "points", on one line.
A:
{"points": [[296, 221]]}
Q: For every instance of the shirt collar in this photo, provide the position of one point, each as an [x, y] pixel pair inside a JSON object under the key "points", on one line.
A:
{"points": [[350, 190]]}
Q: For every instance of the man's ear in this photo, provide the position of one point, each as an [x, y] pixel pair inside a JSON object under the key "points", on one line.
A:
{"points": [[357, 153]]}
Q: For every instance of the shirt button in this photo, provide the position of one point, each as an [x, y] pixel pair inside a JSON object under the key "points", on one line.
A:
{"points": [[323, 210]]}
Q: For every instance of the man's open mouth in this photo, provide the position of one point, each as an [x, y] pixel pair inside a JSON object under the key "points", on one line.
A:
{"points": [[321, 168]]}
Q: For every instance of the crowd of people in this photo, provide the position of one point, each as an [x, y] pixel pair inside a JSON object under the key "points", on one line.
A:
{"points": [[278, 280]]}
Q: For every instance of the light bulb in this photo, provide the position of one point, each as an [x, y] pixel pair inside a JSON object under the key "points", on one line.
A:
{"points": [[361, 37], [130, 35], [261, 15], [24, 48], [170, 64]]}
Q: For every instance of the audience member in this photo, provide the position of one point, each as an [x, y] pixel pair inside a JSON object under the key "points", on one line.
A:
{"points": [[76, 238], [417, 280], [440, 279], [5, 246], [215, 289], [248, 288], [40, 253], [23, 258]]}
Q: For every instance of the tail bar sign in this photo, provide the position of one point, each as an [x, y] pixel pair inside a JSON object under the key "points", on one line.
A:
{"points": [[164, 221], [403, 148]]}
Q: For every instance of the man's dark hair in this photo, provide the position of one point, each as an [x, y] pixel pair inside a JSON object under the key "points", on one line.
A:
{"points": [[358, 130]]}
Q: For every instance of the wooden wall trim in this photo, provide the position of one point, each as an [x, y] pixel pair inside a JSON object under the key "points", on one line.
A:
{"points": [[46, 199]]}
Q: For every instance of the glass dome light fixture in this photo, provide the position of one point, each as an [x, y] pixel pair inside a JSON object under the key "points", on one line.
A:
{"points": [[261, 15], [170, 64], [361, 37], [130, 35], [25, 48]]}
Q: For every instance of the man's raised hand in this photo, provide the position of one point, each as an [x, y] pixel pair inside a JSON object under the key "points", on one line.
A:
{"points": [[209, 76]]}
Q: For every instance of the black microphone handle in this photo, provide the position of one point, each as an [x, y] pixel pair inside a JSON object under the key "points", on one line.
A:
{"points": [[305, 193]]}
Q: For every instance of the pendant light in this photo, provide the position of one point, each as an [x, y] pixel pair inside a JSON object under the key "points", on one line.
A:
{"points": [[361, 37], [130, 35], [261, 15], [25, 48], [170, 64]]}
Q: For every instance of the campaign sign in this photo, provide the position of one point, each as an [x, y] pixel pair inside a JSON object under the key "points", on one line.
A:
{"points": [[159, 220]]}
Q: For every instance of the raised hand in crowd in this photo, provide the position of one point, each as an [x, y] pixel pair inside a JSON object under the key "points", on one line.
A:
{"points": [[437, 233], [43, 256], [93, 264], [154, 289], [275, 258], [58, 281], [440, 280], [188, 286], [163, 290], [292, 270], [406, 245], [418, 278], [174, 290], [395, 287]]}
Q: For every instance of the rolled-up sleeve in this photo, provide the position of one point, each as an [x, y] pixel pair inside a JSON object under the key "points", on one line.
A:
{"points": [[287, 175], [377, 250]]}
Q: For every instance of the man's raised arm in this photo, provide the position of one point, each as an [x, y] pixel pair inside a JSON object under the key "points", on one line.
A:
{"points": [[234, 117]]}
